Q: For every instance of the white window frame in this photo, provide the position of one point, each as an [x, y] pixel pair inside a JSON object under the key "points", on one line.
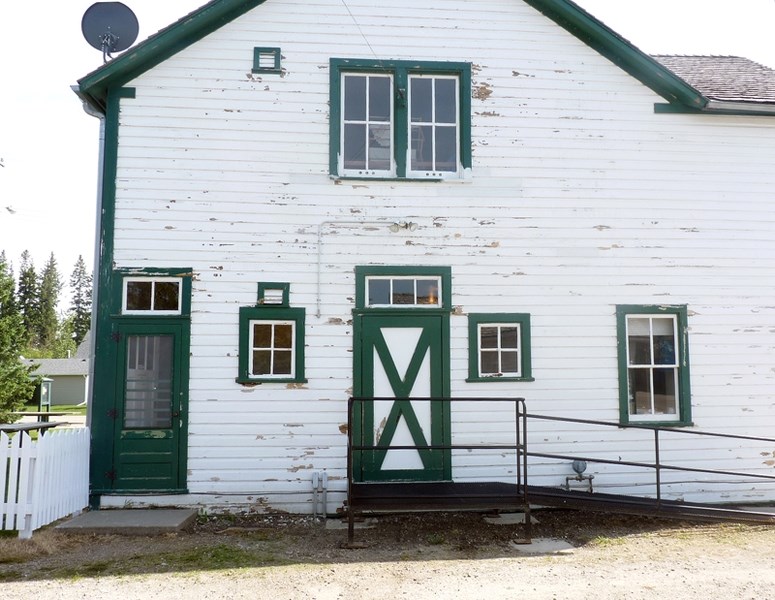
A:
{"points": [[153, 281], [366, 172], [499, 350], [252, 348], [415, 278], [434, 173], [653, 416]]}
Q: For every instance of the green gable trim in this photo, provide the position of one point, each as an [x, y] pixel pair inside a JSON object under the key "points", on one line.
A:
{"points": [[745, 110], [619, 51], [93, 88], [159, 47]]}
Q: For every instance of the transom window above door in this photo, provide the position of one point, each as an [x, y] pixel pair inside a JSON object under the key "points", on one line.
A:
{"points": [[152, 295], [400, 119], [383, 287], [403, 291]]}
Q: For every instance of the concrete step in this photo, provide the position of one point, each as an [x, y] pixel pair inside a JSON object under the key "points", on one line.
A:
{"points": [[130, 521]]}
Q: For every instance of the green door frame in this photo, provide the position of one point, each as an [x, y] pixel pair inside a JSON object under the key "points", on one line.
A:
{"points": [[139, 454], [368, 342]]}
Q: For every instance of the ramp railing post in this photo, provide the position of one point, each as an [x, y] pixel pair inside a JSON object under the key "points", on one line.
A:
{"points": [[657, 467]]}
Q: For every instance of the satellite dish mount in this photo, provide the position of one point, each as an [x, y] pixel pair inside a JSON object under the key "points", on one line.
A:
{"points": [[109, 27]]}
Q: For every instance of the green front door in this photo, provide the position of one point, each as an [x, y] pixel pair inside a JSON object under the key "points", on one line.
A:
{"points": [[400, 356], [151, 405]]}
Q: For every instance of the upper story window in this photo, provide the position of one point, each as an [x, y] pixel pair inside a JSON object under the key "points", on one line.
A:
{"points": [[152, 296], [400, 119]]}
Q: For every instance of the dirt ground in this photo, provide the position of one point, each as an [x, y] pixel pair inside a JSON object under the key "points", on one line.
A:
{"points": [[407, 556]]}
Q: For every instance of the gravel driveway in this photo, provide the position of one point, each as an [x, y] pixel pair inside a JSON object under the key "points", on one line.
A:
{"points": [[411, 556]]}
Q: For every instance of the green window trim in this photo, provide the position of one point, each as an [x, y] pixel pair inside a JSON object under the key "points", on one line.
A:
{"points": [[362, 273], [267, 293], [525, 360], [400, 71], [274, 313], [120, 275], [684, 409], [266, 60]]}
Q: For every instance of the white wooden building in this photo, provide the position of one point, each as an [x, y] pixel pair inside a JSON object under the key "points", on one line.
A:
{"points": [[308, 200]]}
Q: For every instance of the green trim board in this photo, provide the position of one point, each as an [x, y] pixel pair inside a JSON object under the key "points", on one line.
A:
{"points": [[261, 55], [684, 416], [370, 347], [363, 272], [248, 314], [525, 363], [94, 87], [400, 70]]}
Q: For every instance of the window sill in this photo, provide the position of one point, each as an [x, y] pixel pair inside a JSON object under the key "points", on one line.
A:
{"points": [[248, 381], [496, 379], [661, 424], [344, 178]]}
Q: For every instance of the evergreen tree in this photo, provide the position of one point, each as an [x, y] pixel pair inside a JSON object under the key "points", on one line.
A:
{"points": [[50, 285], [16, 383], [28, 300], [80, 307]]}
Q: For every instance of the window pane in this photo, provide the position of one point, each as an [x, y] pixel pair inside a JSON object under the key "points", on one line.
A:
{"points": [[138, 295], [446, 102], [403, 291], [639, 326], [509, 337], [261, 362], [354, 147], [148, 382], [489, 362], [446, 149], [664, 342], [379, 147], [379, 291], [282, 362], [488, 337], [422, 148], [355, 98], [379, 99], [665, 391], [283, 336], [427, 291], [421, 100], [509, 363], [640, 391], [262, 336], [166, 295]]}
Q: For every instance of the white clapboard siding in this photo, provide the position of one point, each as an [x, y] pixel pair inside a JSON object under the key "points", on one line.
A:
{"points": [[580, 198]]}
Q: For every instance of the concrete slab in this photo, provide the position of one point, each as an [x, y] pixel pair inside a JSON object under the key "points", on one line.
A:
{"points": [[544, 546], [130, 522], [508, 519]]}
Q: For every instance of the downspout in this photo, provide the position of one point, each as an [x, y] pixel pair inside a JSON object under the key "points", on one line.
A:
{"points": [[93, 112]]}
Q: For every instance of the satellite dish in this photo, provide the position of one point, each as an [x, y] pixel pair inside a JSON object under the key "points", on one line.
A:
{"points": [[110, 27]]}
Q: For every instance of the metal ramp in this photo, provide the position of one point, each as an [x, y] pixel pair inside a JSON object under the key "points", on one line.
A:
{"points": [[403, 496]]}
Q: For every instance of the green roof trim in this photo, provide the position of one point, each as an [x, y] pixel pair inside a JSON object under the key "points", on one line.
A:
{"points": [[93, 88], [159, 47]]}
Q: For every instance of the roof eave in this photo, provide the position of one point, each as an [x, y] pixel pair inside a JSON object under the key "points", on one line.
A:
{"points": [[620, 51], [93, 88]]}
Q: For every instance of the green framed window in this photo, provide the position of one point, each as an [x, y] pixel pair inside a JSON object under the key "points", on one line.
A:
{"points": [[400, 119], [266, 60], [653, 355], [400, 287], [499, 347], [271, 338]]}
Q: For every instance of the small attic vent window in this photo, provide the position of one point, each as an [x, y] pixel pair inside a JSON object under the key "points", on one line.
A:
{"points": [[266, 60], [273, 297]]}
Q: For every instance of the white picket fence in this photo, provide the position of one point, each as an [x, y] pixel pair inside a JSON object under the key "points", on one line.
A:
{"points": [[44, 480]]}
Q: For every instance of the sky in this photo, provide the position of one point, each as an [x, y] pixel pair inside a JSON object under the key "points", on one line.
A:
{"points": [[49, 145]]}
